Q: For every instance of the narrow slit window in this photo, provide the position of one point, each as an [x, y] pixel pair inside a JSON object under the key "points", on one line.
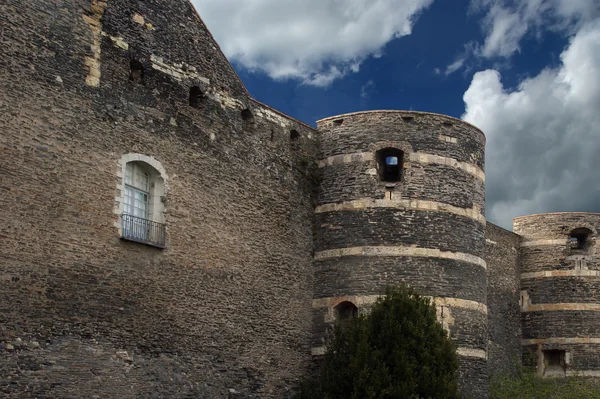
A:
{"points": [[389, 163], [136, 73], [196, 96]]}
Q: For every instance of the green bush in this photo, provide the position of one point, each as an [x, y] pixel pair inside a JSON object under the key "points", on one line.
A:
{"points": [[528, 386], [397, 351]]}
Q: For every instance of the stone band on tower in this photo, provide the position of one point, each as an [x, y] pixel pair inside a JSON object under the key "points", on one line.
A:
{"points": [[402, 201]]}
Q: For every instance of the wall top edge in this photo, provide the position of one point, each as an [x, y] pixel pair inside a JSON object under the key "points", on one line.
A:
{"points": [[404, 112]]}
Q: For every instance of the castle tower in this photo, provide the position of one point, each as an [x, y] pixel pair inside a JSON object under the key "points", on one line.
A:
{"points": [[560, 281], [402, 201]]}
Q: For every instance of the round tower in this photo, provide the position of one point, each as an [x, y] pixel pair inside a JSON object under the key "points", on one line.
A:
{"points": [[401, 200], [560, 286]]}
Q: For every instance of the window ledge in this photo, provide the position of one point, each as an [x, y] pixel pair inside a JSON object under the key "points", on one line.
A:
{"points": [[145, 242]]}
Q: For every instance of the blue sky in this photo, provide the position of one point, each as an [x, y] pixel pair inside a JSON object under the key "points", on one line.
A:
{"points": [[404, 77], [527, 72]]}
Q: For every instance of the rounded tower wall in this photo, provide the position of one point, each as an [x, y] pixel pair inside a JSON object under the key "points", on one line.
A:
{"points": [[560, 286], [424, 226]]}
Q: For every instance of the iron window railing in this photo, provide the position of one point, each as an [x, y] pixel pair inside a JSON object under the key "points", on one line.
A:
{"points": [[144, 231]]}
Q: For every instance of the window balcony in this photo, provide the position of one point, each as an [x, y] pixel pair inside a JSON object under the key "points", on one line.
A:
{"points": [[143, 231]]}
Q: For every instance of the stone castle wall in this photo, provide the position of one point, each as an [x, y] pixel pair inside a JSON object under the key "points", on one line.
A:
{"points": [[426, 230], [504, 313], [225, 309], [560, 310], [256, 261]]}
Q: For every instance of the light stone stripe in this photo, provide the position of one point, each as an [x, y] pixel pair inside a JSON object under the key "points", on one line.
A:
{"points": [[561, 273], [560, 341], [543, 242], [417, 157], [583, 373], [370, 299], [345, 158], [400, 251], [460, 351], [318, 351], [408, 204], [469, 352], [553, 307]]}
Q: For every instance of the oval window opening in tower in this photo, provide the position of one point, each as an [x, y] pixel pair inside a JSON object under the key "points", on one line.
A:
{"points": [[389, 164]]}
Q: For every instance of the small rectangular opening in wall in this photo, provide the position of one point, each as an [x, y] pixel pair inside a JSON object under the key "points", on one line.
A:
{"points": [[555, 364], [338, 122], [447, 124], [407, 118]]}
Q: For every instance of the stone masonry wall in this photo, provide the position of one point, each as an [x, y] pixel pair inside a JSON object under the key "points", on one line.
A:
{"points": [[224, 310], [426, 231], [504, 313], [560, 301]]}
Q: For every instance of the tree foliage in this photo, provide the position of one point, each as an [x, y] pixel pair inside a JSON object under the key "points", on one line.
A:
{"points": [[397, 351]]}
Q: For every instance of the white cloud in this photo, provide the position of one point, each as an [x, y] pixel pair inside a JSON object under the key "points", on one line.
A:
{"points": [[506, 22], [505, 29], [367, 89], [455, 66], [316, 41], [543, 138]]}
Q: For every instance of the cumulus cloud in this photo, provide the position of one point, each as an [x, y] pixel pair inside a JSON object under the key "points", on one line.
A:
{"points": [[506, 22], [315, 41], [543, 138]]}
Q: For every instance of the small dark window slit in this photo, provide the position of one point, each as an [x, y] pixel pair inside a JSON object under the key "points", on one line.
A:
{"points": [[389, 164], [136, 73], [196, 96], [247, 115], [294, 135]]}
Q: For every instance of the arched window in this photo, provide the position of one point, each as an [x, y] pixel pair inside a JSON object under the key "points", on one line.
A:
{"points": [[294, 135], [389, 164], [580, 240], [142, 205], [345, 311], [136, 73], [196, 96]]}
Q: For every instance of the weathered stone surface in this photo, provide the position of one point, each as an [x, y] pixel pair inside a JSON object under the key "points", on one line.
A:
{"points": [[560, 311], [227, 305], [351, 177], [383, 227], [245, 288], [504, 314]]}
